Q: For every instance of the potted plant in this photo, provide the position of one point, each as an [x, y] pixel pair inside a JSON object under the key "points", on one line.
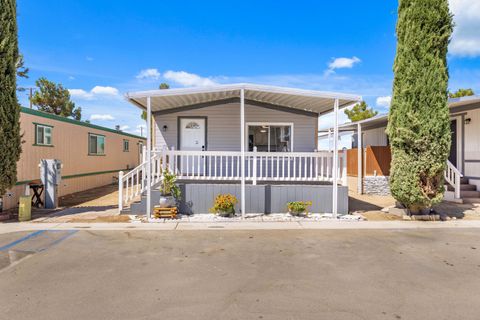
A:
{"points": [[298, 208], [224, 205], [169, 191]]}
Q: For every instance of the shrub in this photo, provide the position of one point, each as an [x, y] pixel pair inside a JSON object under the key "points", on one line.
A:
{"points": [[224, 203], [168, 186], [298, 206]]}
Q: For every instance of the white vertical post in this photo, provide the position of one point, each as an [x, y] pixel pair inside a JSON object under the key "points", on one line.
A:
{"points": [[149, 159], [242, 148], [335, 162], [359, 160], [164, 159], [120, 191], [457, 185], [329, 140], [344, 167], [171, 161], [254, 166]]}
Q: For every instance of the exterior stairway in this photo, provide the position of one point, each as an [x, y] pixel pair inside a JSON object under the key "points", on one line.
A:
{"points": [[468, 192]]}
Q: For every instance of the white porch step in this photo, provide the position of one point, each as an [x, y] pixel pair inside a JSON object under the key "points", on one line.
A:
{"points": [[469, 194], [466, 187], [471, 200]]}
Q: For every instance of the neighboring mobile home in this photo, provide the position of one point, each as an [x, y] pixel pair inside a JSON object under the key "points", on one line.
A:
{"points": [[91, 155], [463, 166], [257, 142]]}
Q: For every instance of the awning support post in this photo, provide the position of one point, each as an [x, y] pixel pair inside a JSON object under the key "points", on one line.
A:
{"points": [[335, 162], [359, 160], [242, 139], [149, 159]]}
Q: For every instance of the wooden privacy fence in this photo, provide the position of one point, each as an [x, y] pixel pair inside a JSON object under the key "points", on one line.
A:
{"points": [[375, 161]]}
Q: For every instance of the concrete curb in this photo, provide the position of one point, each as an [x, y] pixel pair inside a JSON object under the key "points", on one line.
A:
{"points": [[242, 225]]}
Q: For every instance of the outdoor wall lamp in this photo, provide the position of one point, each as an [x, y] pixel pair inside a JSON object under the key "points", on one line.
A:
{"points": [[468, 120], [165, 128]]}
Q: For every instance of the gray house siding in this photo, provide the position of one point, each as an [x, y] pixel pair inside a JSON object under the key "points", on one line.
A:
{"points": [[223, 126]]}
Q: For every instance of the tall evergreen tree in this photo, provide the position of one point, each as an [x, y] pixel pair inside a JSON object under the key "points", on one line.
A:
{"points": [[10, 140], [419, 121], [54, 98]]}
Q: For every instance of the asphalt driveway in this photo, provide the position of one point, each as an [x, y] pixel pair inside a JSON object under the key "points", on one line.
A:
{"points": [[262, 274]]}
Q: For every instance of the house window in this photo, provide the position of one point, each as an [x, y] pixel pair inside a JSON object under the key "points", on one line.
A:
{"points": [[43, 135], [126, 145], [270, 137], [96, 144]]}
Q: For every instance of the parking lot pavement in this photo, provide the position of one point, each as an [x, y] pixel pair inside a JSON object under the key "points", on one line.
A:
{"points": [[242, 274]]}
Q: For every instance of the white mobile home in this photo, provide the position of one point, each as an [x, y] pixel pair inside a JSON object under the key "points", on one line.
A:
{"points": [[258, 142], [463, 166]]}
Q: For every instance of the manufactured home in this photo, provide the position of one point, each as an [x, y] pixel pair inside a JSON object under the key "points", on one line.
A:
{"points": [[256, 142], [91, 155], [368, 167]]}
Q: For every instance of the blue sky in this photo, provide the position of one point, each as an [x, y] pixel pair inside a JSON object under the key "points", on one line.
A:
{"points": [[101, 49]]}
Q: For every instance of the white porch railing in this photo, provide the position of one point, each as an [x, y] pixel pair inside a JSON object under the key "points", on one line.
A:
{"points": [[259, 166], [453, 177], [226, 166]]}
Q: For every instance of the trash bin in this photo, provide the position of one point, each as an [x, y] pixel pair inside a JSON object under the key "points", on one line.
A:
{"points": [[25, 208]]}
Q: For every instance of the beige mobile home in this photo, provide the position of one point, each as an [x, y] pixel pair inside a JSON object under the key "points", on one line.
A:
{"points": [[91, 155]]}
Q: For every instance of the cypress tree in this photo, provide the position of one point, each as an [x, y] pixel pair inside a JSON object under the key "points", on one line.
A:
{"points": [[419, 121], [9, 108]]}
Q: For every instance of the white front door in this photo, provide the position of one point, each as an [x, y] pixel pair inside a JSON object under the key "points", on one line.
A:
{"points": [[193, 138]]}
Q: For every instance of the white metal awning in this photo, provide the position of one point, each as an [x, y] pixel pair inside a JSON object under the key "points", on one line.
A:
{"points": [[308, 100], [377, 121]]}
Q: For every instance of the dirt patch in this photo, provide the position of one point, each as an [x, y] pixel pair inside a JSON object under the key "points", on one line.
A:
{"points": [[379, 216], [96, 197]]}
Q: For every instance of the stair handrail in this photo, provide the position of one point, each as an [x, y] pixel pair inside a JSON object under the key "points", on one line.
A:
{"points": [[134, 181], [453, 177]]}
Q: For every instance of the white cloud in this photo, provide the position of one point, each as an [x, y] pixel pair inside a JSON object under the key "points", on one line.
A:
{"points": [[188, 79], [384, 101], [466, 35], [341, 63], [97, 91], [88, 58], [80, 94], [71, 78], [123, 128], [104, 117], [108, 91], [149, 74]]}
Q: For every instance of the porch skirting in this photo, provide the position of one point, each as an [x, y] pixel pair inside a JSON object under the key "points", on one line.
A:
{"points": [[269, 198]]}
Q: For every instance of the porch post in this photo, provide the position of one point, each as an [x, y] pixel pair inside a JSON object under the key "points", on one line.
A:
{"points": [[149, 159], [329, 139], [335, 162], [242, 148], [359, 160]]}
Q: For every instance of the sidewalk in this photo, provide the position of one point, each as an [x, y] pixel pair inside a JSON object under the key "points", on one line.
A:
{"points": [[239, 225]]}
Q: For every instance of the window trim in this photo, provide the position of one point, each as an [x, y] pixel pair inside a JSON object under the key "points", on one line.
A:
{"points": [[36, 125], [128, 145], [270, 124], [104, 141]]}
